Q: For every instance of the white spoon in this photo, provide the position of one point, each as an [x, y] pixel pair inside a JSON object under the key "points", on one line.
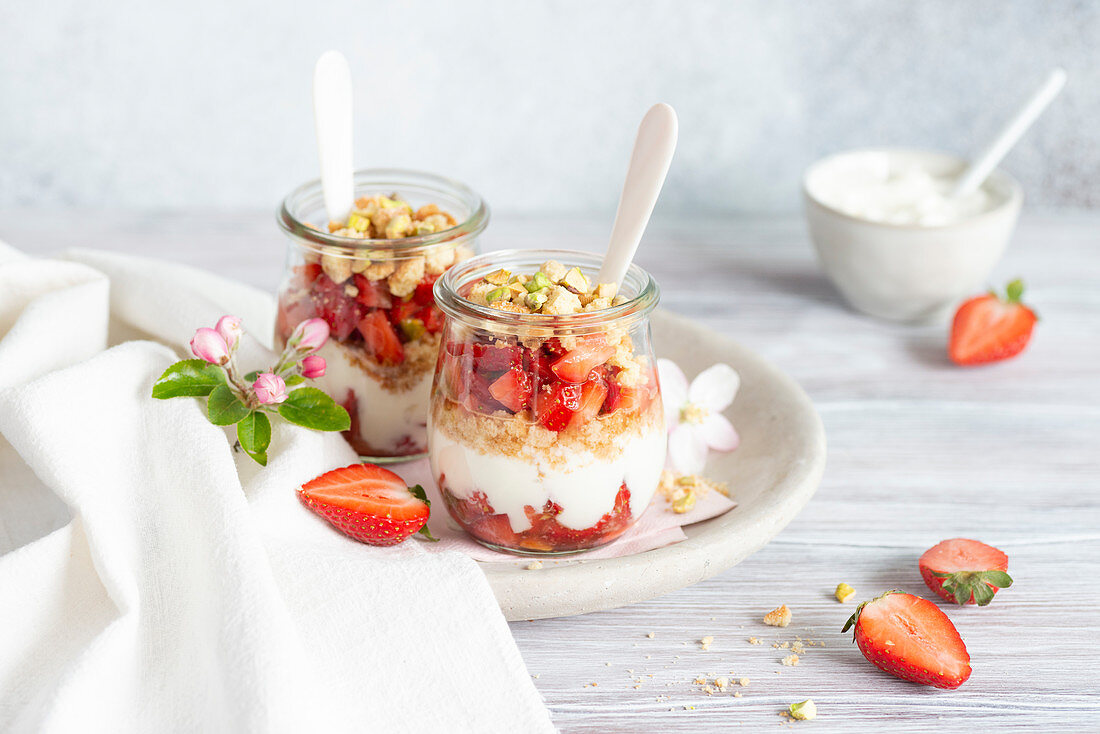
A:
{"points": [[653, 149], [984, 164], [332, 117]]}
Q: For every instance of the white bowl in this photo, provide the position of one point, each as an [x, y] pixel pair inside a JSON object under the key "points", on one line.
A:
{"points": [[903, 272]]}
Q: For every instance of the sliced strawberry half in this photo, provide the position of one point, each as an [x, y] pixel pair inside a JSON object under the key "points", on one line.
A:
{"points": [[911, 638], [372, 293], [593, 394], [575, 364], [513, 389], [368, 503], [557, 404], [990, 328], [965, 571], [380, 338]]}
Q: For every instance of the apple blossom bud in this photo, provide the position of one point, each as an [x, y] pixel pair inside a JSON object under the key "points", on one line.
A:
{"points": [[269, 388], [209, 345], [230, 329], [313, 367], [311, 334]]}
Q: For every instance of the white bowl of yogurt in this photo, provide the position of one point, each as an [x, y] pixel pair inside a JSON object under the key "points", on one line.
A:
{"points": [[892, 240]]}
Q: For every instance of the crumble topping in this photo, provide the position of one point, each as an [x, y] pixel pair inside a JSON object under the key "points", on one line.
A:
{"points": [[778, 617], [553, 290], [844, 592], [681, 491]]}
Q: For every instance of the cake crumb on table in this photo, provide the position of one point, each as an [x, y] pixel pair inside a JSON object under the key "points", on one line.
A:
{"points": [[755, 641], [706, 641], [534, 565], [791, 660], [651, 635], [778, 617]]}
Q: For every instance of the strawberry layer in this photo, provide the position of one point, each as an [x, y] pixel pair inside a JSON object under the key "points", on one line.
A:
{"points": [[584, 489]]}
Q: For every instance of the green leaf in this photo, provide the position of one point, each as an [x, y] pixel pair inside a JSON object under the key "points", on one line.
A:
{"points": [[292, 380], [418, 492], [313, 408], [1015, 291], [251, 376], [224, 408], [1000, 579], [191, 378], [983, 594], [254, 433]]}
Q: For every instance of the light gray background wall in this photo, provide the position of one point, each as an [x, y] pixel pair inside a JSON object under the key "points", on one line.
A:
{"points": [[150, 105]]}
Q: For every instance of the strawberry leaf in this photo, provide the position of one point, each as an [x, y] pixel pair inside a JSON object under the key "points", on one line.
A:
{"points": [[1000, 579], [981, 592], [193, 378], [313, 408], [223, 408], [1015, 291], [418, 492]]}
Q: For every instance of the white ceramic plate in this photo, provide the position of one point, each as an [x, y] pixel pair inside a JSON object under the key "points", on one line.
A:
{"points": [[771, 476]]}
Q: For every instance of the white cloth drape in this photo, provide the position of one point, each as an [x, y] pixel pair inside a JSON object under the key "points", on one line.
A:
{"points": [[155, 581]]}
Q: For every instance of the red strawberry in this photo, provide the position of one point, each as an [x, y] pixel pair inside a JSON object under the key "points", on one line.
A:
{"points": [[432, 318], [575, 364], [423, 294], [368, 503], [593, 394], [380, 338], [373, 293], [496, 357], [340, 311], [965, 569], [988, 328], [403, 310], [308, 272], [512, 389], [911, 638], [557, 404]]}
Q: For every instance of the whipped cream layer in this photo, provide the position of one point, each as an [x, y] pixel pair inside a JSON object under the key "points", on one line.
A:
{"points": [[585, 488], [386, 418]]}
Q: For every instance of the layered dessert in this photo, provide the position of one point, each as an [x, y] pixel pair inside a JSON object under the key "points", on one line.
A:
{"points": [[385, 326], [546, 431]]}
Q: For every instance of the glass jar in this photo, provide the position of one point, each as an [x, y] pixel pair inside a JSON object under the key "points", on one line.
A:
{"points": [[531, 457], [377, 297]]}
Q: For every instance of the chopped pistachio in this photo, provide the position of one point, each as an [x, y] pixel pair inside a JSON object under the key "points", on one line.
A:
{"points": [[398, 226], [420, 228], [844, 592], [804, 710], [498, 277], [497, 294], [575, 280], [389, 203], [683, 500], [536, 300], [358, 222], [538, 282], [413, 329]]}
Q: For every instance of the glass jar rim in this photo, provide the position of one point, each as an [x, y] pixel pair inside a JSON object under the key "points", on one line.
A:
{"points": [[310, 195], [447, 297]]}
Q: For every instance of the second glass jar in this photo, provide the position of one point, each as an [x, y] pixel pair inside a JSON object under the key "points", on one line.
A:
{"points": [[376, 294]]}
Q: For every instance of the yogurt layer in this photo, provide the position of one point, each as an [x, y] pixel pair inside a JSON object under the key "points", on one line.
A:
{"points": [[585, 488], [385, 418]]}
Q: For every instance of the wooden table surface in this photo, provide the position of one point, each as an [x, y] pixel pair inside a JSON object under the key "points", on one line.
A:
{"points": [[919, 451]]}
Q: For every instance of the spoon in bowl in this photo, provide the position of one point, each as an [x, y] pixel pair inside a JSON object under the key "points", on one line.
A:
{"points": [[977, 172], [332, 118], [653, 149]]}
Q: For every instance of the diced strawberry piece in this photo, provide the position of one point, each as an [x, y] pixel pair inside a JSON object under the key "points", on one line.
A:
{"points": [[380, 338], [495, 530], [496, 357], [557, 404], [340, 311], [373, 293], [291, 312], [593, 393], [456, 370], [432, 318], [479, 399], [553, 347], [614, 399], [366, 502], [307, 272], [403, 310], [575, 364], [423, 293], [512, 389]]}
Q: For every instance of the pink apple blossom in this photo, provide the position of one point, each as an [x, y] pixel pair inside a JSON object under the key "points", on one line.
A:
{"points": [[693, 414], [269, 388], [209, 345], [230, 329], [313, 367], [310, 335]]}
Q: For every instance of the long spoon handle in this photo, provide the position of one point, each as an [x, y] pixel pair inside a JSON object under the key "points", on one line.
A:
{"points": [[332, 117], [653, 149]]}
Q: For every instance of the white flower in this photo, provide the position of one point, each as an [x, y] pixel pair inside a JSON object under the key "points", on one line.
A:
{"points": [[694, 414]]}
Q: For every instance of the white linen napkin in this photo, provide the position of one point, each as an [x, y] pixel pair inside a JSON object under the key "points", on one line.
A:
{"points": [[155, 581]]}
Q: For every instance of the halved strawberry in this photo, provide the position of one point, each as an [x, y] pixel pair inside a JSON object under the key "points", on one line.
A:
{"points": [[368, 503], [372, 293], [988, 328], [512, 389], [911, 638], [593, 393], [964, 571], [575, 364], [380, 338], [556, 405]]}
